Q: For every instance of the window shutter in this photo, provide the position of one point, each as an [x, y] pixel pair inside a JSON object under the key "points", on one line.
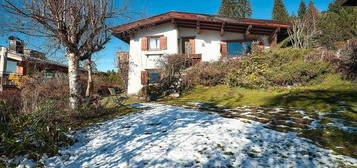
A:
{"points": [[224, 50], [193, 46], [163, 43], [161, 75], [144, 77], [144, 44]]}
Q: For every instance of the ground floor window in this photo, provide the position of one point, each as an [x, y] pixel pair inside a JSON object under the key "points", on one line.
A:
{"points": [[11, 67], [235, 48], [154, 77], [151, 76]]}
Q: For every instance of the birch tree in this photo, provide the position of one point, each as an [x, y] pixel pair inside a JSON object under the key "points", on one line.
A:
{"points": [[79, 26]]}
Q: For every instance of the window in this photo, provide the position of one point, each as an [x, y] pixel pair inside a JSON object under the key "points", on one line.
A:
{"points": [[238, 48], [154, 43], [49, 74], [154, 77], [11, 67], [151, 76]]}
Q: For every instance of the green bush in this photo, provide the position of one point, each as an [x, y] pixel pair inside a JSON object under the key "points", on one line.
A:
{"points": [[280, 67]]}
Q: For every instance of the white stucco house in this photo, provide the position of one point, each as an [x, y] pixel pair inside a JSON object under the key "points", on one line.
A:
{"points": [[200, 36]]}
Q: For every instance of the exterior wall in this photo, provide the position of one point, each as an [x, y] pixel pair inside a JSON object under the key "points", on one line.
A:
{"points": [[140, 60], [207, 43], [3, 51]]}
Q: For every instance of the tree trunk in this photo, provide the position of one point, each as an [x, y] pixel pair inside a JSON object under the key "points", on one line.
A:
{"points": [[74, 83], [90, 80]]}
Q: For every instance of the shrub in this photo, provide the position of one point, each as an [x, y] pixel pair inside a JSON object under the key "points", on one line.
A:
{"points": [[210, 73], [104, 80], [41, 90], [36, 120], [280, 67], [173, 81], [32, 120]]}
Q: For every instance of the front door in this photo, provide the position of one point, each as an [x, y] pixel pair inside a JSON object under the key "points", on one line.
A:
{"points": [[188, 45]]}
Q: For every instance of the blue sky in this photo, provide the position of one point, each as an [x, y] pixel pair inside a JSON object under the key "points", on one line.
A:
{"points": [[262, 9]]}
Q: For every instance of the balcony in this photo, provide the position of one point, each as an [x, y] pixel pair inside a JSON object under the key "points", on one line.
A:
{"points": [[192, 59]]}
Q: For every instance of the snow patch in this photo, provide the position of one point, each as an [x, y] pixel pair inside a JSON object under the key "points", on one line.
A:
{"points": [[170, 136]]}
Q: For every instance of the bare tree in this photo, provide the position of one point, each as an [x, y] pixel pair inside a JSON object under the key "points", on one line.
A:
{"points": [[79, 26], [304, 30], [298, 34], [302, 33]]}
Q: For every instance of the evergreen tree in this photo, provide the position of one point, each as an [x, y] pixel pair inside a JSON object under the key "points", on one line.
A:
{"points": [[313, 15], [337, 24], [279, 11], [236, 8], [302, 9], [312, 9]]}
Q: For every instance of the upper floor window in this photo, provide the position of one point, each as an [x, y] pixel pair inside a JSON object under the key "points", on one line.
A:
{"points": [[154, 43], [238, 48]]}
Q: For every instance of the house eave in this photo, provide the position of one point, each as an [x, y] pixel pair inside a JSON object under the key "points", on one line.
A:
{"points": [[201, 21]]}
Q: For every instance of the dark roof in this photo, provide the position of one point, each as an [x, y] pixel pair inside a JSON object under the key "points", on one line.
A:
{"points": [[203, 21], [349, 3]]}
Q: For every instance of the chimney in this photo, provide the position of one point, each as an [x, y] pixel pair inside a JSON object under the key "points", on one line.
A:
{"points": [[16, 45]]}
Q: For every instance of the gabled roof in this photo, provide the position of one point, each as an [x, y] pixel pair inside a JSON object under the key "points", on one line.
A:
{"points": [[202, 21], [349, 3]]}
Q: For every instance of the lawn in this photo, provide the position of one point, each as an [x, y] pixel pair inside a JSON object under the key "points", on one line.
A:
{"points": [[325, 111]]}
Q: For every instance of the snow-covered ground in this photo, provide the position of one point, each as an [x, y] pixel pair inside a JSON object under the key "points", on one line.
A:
{"points": [[170, 136]]}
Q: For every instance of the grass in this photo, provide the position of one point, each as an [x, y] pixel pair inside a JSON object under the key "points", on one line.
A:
{"points": [[327, 101], [330, 93]]}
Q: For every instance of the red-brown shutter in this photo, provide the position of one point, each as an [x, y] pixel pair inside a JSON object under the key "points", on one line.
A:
{"points": [[163, 43], [19, 70], [144, 44], [224, 50], [193, 46], [144, 77], [161, 75]]}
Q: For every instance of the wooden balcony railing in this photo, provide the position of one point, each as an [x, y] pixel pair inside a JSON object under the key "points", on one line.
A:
{"points": [[192, 59]]}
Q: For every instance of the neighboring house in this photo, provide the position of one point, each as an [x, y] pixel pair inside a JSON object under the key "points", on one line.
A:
{"points": [[199, 36], [19, 61], [350, 3]]}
